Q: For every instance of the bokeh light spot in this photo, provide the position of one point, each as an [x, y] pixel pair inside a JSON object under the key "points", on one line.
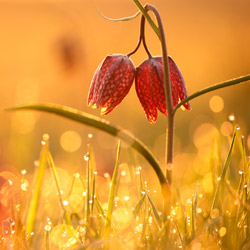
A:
{"points": [[216, 104], [222, 231], [205, 135], [70, 141], [207, 183], [23, 122], [226, 128]]}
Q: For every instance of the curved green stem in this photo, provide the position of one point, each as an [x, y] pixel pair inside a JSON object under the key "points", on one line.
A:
{"points": [[169, 103], [101, 124], [212, 88], [149, 19]]}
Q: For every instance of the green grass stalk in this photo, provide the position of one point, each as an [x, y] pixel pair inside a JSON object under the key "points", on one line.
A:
{"points": [[111, 199], [32, 212]]}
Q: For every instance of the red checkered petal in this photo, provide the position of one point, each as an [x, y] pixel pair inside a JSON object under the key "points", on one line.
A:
{"points": [[178, 82], [144, 91]]}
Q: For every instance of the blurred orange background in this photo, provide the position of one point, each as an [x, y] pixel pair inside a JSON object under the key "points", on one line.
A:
{"points": [[50, 50]]}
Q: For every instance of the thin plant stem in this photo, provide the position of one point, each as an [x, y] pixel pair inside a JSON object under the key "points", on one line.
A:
{"points": [[168, 96], [141, 38]]}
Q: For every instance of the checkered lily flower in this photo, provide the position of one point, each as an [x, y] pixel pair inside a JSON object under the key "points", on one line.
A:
{"points": [[111, 82], [149, 85]]}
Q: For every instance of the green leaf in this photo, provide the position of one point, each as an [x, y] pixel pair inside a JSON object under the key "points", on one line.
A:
{"points": [[101, 124], [212, 88]]}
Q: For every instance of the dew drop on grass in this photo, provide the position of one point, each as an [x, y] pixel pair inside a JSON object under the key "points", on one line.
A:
{"points": [[90, 136], [214, 213], [45, 137], [36, 163], [199, 210], [77, 175], [241, 172], [47, 228], [126, 198], [65, 203], [106, 175], [218, 179], [123, 173], [86, 157], [95, 172], [24, 172], [10, 182], [231, 117]]}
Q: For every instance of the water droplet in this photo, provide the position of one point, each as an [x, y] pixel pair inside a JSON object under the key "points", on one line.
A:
{"points": [[245, 186], [24, 186], [95, 172], [36, 163], [106, 175], [219, 178], [199, 210], [45, 137], [241, 171], [24, 172], [10, 182], [47, 228], [86, 157], [123, 173], [174, 231], [90, 201], [84, 194], [214, 213], [65, 203], [237, 128], [90, 136], [200, 195], [126, 198], [143, 192], [77, 175], [231, 117], [43, 143]]}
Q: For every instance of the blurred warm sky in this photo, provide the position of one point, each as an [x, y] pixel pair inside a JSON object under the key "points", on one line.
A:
{"points": [[50, 50]]}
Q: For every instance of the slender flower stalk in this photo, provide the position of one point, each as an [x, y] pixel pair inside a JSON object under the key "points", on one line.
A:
{"points": [[168, 96]]}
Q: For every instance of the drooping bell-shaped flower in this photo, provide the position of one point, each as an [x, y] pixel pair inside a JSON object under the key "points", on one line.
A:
{"points": [[111, 82], [149, 84]]}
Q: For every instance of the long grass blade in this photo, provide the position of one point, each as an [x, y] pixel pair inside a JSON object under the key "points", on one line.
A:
{"points": [[139, 204], [194, 209], [155, 212], [223, 175], [111, 199], [30, 223]]}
